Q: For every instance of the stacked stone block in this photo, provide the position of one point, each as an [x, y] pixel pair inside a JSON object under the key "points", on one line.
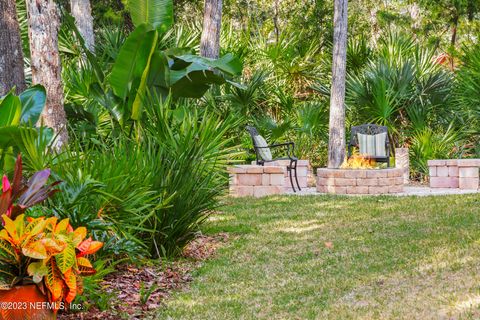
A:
{"points": [[256, 181], [360, 181], [454, 173], [302, 173]]}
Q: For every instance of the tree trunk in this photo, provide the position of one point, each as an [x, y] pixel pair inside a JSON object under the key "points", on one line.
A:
{"points": [[82, 12], [453, 40], [336, 145], [275, 22], [212, 21], [43, 23], [11, 55]]}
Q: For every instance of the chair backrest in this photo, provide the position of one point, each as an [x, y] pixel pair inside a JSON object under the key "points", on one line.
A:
{"points": [[260, 145], [371, 139]]}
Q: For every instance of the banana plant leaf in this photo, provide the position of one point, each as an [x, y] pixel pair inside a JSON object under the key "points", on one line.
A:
{"points": [[141, 67], [132, 60], [228, 63], [191, 76], [157, 13]]}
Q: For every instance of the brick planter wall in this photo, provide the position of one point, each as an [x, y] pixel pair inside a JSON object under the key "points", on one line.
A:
{"points": [[302, 172], [454, 173], [256, 181], [360, 181]]}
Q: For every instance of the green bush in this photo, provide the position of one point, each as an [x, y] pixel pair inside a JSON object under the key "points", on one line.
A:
{"points": [[192, 150]]}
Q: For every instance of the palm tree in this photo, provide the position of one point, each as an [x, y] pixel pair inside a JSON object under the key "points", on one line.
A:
{"points": [[336, 144], [43, 24], [11, 55], [82, 12], [212, 21]]}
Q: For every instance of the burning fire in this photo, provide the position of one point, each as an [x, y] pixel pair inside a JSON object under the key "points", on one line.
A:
{"points": [[358, 161]]}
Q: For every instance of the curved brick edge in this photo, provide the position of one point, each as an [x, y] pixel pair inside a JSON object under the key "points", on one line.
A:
{"points": [[360, 181]]}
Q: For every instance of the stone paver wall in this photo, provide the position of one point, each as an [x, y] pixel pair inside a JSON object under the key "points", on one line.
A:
{"points": [[256, 181], [454, 173], [302, 172], [360, 181]]}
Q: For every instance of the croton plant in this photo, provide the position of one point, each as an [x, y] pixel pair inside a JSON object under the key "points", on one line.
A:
{"points": [[44, 251], [47, 252]]}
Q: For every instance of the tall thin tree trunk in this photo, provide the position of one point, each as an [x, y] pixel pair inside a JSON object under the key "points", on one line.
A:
{"points": [[453, 40], [275, 22], [43, 23], [212, 22], [11, 55], [336, 144], [82, 12]]}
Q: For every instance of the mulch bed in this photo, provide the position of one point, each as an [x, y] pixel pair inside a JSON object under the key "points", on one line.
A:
{"points": [[126, 284]]}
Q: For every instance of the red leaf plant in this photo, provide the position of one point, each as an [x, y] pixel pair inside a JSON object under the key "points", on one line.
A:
{"points": [[21, 194]]}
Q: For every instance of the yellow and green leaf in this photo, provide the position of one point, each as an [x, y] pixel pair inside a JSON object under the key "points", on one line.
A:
{"points": [[35, 250], [37, 270], [11, 228], [71, 282], [62, 225], [8, 253], [50, 224], [66, 259], [78, 235], [84, 262], [53, 246], [53, 280]]}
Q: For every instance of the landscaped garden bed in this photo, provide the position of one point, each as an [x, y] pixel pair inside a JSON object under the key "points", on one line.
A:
{"points": [[133, 119]]}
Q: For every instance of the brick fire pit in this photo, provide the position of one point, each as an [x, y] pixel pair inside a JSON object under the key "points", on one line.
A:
{"points": [[360, 181]]}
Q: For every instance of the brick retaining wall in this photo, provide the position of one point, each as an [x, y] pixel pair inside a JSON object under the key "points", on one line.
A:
{"points": [[360, 181], [454, 173], [256, 181], [302, 172]]}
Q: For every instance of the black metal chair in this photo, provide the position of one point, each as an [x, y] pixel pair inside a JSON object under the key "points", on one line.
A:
{"points": [[370, 129], [263, 154]]}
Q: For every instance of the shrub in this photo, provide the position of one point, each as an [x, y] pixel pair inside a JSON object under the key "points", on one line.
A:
{"points": [[50, 254], [191, 151]]}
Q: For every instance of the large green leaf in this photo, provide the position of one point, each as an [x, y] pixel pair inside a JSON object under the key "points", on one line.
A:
{"points": [[228, 63], [191, 76], [10, 110], [158, 13], [132, 60], [137, 106], [195, 83], [33, 101]]}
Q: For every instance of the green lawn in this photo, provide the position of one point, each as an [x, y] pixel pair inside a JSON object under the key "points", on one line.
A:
{"points": [[392, 258]]}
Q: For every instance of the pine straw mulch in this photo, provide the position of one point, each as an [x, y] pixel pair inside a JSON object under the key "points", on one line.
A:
{"points": [[125, 284]]}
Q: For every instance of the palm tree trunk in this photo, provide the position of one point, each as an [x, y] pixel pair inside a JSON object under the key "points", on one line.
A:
{"points": [[212, 21], [11, 55], [336, 144], [43, 24], [82, 12], [453, 39]]}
